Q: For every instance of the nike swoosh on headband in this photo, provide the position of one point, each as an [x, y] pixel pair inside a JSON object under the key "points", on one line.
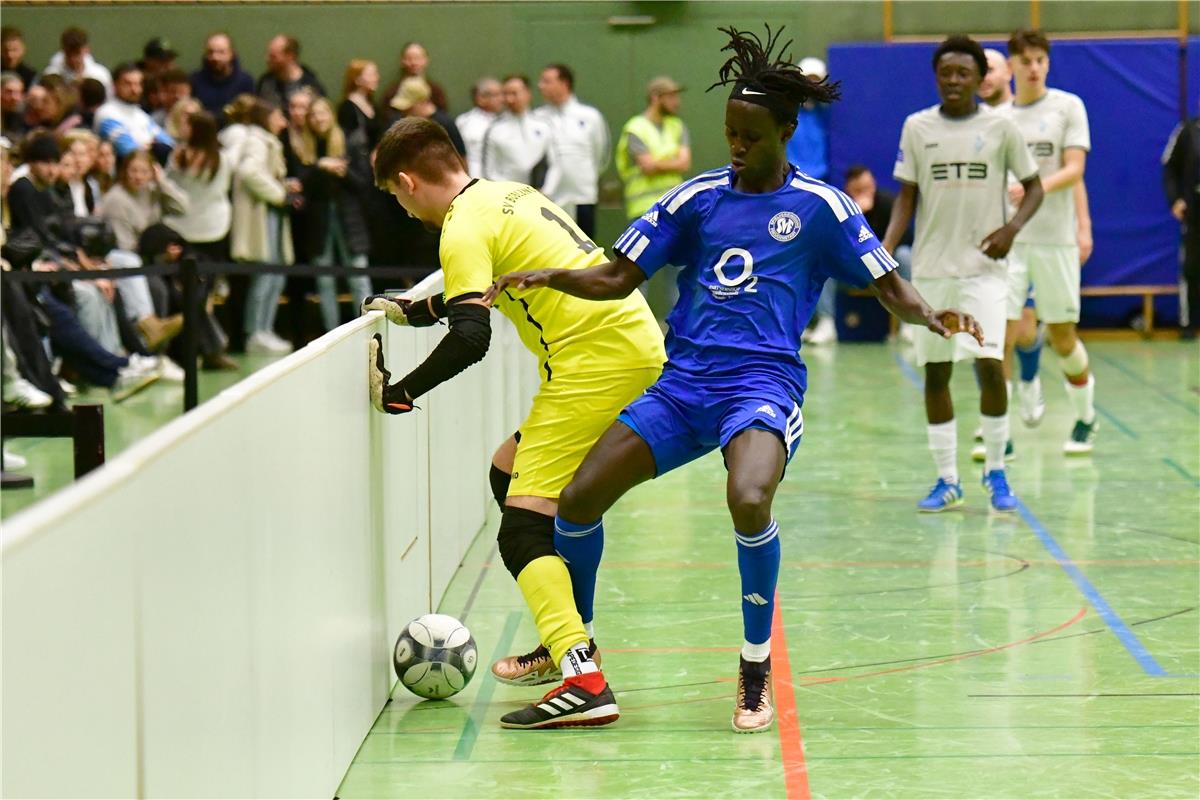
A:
{"points": [[751, 91]]}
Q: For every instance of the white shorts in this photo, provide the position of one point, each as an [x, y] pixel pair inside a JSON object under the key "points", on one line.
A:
{"points": [[981, 296], [1053, 273]]}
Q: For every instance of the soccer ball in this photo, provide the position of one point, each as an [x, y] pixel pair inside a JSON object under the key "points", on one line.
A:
{"points": [[435, 656]]}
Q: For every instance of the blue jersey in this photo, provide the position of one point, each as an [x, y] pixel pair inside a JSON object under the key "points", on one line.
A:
{"points": [[753, 268]]}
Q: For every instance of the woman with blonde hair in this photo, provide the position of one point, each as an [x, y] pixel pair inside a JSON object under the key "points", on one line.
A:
{"points": [[177, 118], [84, 189], [356, 114], [335, 175], [261, 230]]}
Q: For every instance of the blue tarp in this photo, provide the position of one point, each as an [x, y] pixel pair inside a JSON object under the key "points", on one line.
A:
{"points": [[1132, 91]]}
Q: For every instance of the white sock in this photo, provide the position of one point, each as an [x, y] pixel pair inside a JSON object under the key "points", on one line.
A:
{"points": [[577, 661], [943, 442], [995, 438], [1082, 400], [757, 653], [590, 627], [1009, 386]]}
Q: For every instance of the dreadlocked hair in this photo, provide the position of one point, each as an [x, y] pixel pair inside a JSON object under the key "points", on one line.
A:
{"points": [[767, 65]]}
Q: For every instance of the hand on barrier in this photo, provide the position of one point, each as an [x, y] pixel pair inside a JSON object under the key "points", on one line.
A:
{"points": [[386, 399], [394, 308]]}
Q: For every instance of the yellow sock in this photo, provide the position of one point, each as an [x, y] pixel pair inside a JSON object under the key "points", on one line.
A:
{"points": [[546, 585]]}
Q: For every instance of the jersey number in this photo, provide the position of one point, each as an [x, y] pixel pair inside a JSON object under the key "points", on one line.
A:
{"points": [[745, 275], [583, 244]]}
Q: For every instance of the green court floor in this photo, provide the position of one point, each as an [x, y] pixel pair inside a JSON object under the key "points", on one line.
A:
{"points": [[1054, 653]]}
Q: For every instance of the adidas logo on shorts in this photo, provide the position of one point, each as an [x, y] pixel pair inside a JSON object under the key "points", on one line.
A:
{"points": [[766, 409]]}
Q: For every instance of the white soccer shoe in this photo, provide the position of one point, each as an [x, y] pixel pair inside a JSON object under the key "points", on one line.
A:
{"points": [[1031, 402]]}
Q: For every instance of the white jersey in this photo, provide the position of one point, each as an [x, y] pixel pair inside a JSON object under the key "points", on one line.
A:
{"points": [[472, 125], [960, 168], [1049, 126], [512, 147]]}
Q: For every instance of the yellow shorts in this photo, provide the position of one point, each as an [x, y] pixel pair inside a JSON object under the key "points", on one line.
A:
{"points": [[568, 415]]}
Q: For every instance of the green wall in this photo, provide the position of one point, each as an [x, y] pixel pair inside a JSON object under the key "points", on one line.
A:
{"points": [[612, 64]]}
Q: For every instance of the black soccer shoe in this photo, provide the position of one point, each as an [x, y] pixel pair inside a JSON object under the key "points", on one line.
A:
{"points": [[582, 700]]}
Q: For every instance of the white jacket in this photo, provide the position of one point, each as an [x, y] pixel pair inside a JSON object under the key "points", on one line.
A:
{"points": [[579, 152], [91, 69], [472, 125], [128, 127], [512, 146], [209, 209]]}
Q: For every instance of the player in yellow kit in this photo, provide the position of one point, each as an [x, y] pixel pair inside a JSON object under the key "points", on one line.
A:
{"points": [[593, 360]]}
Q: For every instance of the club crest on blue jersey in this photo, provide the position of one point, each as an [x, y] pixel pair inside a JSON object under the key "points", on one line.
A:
{"points": [[784, 226]]}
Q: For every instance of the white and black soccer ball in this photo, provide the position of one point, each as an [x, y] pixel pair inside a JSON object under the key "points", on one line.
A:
{"points": [[435, 656]]}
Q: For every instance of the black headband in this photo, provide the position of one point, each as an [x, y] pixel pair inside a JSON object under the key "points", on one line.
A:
{"points": [[751, 91]]}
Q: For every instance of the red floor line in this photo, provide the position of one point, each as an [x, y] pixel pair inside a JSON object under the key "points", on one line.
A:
{"points": [[791, 744]]}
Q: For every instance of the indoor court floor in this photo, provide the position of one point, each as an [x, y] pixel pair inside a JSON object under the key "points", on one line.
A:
{"points": [[1052, 653]]}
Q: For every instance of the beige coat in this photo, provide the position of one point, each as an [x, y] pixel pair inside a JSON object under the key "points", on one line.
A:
{"points": [[257, 184]]}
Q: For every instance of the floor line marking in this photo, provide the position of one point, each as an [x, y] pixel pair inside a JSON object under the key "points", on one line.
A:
{"points": [[950, 659], [1114, 622], [470, 731], [791, 743], [483, 573], [1117, 365], [1121, 426], [1175, 465]]}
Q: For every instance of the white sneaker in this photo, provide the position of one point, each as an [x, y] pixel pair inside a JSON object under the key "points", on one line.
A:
{"points": [[69, 389], [1031, 402], [134, 378], [283, 345], [261, 343], [824, 332], [143, 365], [23, 394], [14, 461], [169, 371]]}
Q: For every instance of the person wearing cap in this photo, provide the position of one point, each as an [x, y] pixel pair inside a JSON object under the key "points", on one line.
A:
{"points": [[488, 98], [655, 149], [808, 148], [220, 78], [515, 144], [123, 122], [579, 146], [285, 74], [75, 62], [158, 56], [414, 98]]}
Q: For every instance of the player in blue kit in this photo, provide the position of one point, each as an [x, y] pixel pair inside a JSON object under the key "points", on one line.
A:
{"points": [[756, 239]]}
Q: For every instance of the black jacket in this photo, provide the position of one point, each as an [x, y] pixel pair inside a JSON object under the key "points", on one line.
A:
{"points": [[215, 92], [345, 195], [1181, 166]]}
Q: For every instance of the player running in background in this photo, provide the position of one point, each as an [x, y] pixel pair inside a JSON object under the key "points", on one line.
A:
{"points": [[953, 167], [756, 240], [593, 359], [1050, 250]]}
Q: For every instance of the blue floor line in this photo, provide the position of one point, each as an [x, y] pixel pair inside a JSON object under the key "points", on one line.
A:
{"points": [[1175, 465], [1114, 622], [466, 741]]}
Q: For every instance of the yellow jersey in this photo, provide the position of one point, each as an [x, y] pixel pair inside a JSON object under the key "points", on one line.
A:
{"points": [[496, 227]]}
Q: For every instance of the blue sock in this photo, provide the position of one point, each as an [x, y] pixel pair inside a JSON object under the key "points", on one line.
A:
{"points": [[758, 563], [581, 547], [1030, 359]]}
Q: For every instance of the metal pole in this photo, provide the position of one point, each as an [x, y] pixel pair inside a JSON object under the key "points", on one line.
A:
{"points": [[888, 27], [191, 324], [88, 438]]}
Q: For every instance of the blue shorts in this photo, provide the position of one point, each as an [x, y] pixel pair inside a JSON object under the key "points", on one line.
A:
{"points": [[683, 417]]}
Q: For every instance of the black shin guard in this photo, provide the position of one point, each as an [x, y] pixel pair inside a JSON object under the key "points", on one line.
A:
{"points": [[524, 536], [499, 479]]}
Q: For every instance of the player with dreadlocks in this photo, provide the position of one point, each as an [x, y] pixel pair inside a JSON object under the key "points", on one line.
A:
{"points": [[756, 239]]}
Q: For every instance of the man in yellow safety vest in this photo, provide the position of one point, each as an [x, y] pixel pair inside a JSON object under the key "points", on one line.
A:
{"points": [[654, 151]]}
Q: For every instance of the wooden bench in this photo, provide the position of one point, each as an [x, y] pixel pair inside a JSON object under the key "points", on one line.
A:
{"points": [[1147, 291]]}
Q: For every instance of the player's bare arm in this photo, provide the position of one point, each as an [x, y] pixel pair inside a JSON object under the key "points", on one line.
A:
{"points": [[900, 298], [1069, 175], [997, 243], [1083, 222], [611, 280]]}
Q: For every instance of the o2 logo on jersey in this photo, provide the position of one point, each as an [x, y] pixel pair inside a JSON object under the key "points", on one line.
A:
{"points": [[730, 278], [784, 226]]}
